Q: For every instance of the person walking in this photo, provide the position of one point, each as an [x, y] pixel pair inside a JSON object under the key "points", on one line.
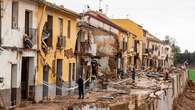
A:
{"points": [[133, 74], [80, 83]]}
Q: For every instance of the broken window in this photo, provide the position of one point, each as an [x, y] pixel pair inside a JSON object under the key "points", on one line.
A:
{"points": [[48, 31], [69, 29], [14, 14]]}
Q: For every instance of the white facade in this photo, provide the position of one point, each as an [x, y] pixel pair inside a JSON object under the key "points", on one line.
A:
{"points": [[159, 52], [12, 50]]}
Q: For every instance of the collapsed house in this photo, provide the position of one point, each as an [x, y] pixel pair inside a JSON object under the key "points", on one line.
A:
{"points": [[101, 45], [148, 93], [137, 41], [159, 53]]}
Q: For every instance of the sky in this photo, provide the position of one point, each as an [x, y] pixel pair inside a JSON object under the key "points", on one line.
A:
{"points": [[175, 18]]}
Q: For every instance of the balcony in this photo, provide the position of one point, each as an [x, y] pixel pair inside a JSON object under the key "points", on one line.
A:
{"points": [[61, 42], [85, 47], [30, 38]]}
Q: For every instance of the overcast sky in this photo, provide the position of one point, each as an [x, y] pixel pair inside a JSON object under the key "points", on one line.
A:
{"points": [[175, 18]]}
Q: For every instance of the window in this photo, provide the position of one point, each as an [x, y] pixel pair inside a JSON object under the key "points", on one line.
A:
{"points": [[60, 26], [69, 29], [28, 23], [14, 15], [48, 31], [73, 71], [70, 73]]}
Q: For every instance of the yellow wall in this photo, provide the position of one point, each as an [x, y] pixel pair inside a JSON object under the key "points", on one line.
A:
{"points": [[55, 53], [136, 31], [131, 26]]}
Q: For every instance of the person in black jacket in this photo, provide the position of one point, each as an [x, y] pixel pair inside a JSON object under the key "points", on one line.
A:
{"points": [[133, 74], [80, 83]]}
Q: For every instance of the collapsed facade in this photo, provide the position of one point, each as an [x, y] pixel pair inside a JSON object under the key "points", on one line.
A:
{"points": [[159, 53], [138, 43], [101, 46]]}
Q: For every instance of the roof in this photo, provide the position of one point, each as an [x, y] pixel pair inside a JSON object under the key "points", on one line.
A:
{"points": [[105, 19], [130, 21], [131, 26], [153, 38], [57, 7]]}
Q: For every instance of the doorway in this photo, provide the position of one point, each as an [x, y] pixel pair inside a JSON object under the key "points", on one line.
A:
{"points": [[59, 81], [45, 81], [24, 78], [13, 84]]}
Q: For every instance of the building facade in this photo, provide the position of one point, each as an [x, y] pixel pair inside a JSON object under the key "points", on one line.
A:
{"points": [[56, 71], [138, 40], [101, 46], [159, 53], [154, 51], [18, 51]]}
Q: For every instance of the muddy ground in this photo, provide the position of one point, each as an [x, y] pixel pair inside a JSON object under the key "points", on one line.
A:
{"points": [[186, 101]]}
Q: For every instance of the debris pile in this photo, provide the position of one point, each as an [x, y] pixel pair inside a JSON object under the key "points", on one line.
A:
{"points": [[150, 89]]}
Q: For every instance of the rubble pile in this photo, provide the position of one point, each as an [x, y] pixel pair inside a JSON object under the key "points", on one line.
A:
{"points": [[150, 90]]}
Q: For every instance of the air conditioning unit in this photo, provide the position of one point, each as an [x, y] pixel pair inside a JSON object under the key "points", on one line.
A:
{"points": [[60, 43]]}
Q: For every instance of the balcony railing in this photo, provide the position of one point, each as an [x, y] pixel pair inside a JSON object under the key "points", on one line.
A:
{"points": [[61, 42], [30, 38], [85, 46]]}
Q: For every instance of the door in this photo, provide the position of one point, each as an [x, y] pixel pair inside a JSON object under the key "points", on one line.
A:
{"points": [[13, 84], [45, 81], [24, 78], [59, 82], [70, 75]]}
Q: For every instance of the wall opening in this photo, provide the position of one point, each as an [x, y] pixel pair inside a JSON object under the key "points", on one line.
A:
{"points": [[48, 32], [45, 81], [15, 15], [24, 78], [59, 81], [28, 22], [13, 84]]}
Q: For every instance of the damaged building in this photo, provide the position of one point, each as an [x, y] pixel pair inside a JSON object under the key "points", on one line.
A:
{"points": [[159, 53], [18, 51], [137, 44], [56, 71], [38, 41], [101, 46]]}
